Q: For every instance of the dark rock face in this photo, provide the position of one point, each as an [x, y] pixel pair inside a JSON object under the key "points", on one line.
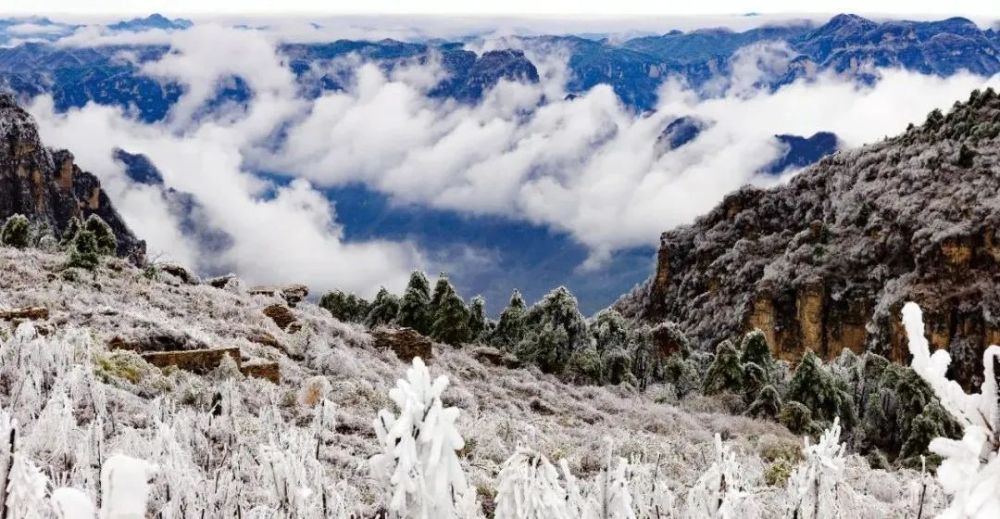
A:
{"points": [[47, 187], [826, 262], [406, 343]]}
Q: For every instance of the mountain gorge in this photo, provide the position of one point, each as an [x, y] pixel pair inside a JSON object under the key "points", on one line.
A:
{"points": [[826, 262]]}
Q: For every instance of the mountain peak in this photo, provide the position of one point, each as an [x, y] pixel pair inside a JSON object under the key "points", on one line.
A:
{"points": [[825, 262], [47, 186]]}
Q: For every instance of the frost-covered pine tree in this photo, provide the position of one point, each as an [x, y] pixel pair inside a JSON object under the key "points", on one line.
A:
{"points": [[478, 322], [970, 470], [816, 489], [726, 372], [414, 307], [529, 488], [451, 318], [418, 465], [383, 310], [510, 328]]}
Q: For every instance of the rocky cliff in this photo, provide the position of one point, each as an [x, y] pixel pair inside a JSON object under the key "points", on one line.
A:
{"points": [[47, 186], [826, 261]]}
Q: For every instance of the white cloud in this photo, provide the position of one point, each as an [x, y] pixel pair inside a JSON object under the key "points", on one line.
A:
{"points": [[586, 166], [291, 236]]}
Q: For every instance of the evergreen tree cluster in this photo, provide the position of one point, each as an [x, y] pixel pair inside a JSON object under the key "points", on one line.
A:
{"points": [[887, 411], [85, 242]]}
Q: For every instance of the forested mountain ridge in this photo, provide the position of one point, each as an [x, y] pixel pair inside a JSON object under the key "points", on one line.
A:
{"points": [[826, 262]]}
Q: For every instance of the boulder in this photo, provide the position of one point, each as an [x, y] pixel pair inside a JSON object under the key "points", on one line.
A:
{"points": [[221, 282], [180, 272], [195, 361], [29, 312], [292, 294], [406, 343], [281, 315], [267, 370], [490, 355]]}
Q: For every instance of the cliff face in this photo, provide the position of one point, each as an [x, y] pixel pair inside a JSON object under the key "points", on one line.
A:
{"points": [[46, 186], [826, 262]]}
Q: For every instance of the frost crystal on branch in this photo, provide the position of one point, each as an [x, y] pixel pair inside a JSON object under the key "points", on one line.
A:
{"points": [[529, 488], [970, 471]]}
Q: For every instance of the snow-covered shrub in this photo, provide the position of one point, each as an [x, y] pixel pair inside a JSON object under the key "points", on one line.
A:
{"points": [[419, 465], [721, 491], [107, 244], [816, 488], [529, 488], [16, 232], [970, 470], [125, 485]]}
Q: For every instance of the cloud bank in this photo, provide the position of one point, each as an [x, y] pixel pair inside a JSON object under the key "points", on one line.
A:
{"points": [[586, 166]]}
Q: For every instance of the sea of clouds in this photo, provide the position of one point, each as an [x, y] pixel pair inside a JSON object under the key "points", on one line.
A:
{"points": [[586, 165]]}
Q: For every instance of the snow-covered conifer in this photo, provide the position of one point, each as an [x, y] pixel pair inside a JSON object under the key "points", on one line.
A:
{"points": [[450, 317], [414, 307], [383, 309]]}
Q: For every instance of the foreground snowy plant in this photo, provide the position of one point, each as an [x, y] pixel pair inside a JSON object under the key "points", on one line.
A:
{"points": [[529, 488], [816, 488], [125, 481], [419, 464], [721, 491], [970, 471]]}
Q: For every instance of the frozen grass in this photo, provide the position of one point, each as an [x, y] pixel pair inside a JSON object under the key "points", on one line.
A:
{"points": [[223, 441]]}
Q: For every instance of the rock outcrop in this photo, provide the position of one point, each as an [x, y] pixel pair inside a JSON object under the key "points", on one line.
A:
{"points": [[406, 343], [47, 186], [826, 262]]}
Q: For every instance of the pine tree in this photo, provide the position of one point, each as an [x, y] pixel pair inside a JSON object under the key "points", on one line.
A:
{"points": [[383, 310], [16, 232], [69, 233], [511, 327], [725, 373], [84, 251], [609, 331], [345, 307], [478, 323], [560, 328], [107, 244], [414, 309], [767, 404], [441, 289], [451, 319], [819, 390], [682, 373], [584, 366]]}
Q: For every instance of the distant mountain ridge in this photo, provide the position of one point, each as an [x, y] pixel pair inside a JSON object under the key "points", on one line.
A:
{"points": [[847, 44], [825, 262]]}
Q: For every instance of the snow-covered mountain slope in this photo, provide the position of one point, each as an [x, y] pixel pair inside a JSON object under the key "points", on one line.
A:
{"points": [[228, 446]]}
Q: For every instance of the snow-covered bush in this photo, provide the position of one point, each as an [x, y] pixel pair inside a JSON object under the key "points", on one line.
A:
{"points": [[970, 470], [419, 464], [722, 490], [529, 488], [16, 232], [816, 488]]}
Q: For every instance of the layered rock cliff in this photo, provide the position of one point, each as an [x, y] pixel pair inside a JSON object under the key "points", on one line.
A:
{"points": [[826, 261], [47, 186]]}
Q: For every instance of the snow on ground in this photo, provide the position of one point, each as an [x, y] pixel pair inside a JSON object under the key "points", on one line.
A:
{"points": [[228, 446]]}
